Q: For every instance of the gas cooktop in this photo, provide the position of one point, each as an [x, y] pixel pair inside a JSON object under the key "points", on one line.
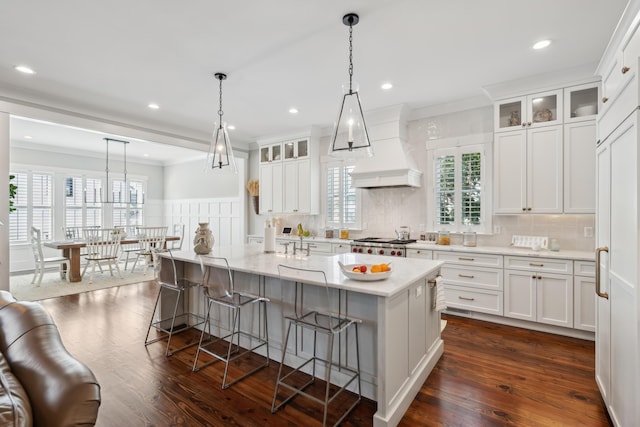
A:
{"points": [[384, 240]]}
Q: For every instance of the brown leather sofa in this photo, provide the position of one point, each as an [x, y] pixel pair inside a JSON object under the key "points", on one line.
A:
{"points": [[41, 384]]}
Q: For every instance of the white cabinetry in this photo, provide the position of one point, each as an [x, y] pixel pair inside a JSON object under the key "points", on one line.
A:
{"points": [[545, 164], [472, 281], [580, 167], [534, 290], [419, 253], [340, 248], [290, 175], [530, 111], [584, 307]]}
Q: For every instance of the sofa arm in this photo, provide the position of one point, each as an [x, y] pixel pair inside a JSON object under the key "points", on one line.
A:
{"points": [[62, 390]]}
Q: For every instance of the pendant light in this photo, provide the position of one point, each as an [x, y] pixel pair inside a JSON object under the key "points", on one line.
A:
{"points": [[220, 152], [350, 137]]}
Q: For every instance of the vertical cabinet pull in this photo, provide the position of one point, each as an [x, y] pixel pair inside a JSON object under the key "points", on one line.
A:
{"points": [[598, 291]]}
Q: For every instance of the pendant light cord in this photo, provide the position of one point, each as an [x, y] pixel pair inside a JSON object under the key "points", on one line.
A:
{"points": [[350, 58], [220, 112]]}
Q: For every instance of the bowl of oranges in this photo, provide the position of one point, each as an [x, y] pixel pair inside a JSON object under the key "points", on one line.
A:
{"points": [[366, 272]]}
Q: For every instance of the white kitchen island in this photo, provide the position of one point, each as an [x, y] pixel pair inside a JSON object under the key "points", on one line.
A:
{"points": [[400, 331]]}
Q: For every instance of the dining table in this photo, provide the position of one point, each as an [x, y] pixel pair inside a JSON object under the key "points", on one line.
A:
{"points": [[71, 249]]}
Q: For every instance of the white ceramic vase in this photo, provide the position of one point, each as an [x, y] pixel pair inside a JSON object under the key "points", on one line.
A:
{"points": [[203, 241]]}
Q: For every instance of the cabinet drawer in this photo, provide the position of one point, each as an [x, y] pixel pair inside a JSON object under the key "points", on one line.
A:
{"points": [[540, 265], [584, 268], [419, 253], [468, 258], [474, 300], [478, 277], [319, 247]]}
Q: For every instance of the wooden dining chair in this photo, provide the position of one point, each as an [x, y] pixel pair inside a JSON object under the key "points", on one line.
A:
{"points": [[103, 246], [149, 239], [41, 261]]}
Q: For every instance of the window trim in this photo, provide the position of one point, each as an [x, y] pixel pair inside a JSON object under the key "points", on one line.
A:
{"points": [[333, 163], [457, 147]]}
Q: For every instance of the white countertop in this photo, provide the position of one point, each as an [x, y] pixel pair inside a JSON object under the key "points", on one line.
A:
{"points": [[498, 250], [252, 259]]}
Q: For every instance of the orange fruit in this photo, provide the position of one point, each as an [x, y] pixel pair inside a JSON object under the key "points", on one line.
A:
{"points": [[375, 268], [385, 267]]}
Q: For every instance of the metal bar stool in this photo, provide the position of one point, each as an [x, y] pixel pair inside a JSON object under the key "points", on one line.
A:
{"points": [[168, 326], [219, 289], [328, 322]]}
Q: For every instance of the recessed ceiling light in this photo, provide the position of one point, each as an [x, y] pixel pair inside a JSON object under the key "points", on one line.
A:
{"points": [[386, 86], [231, 127], [542, 44], [24, 69], [28, 137], [153, 106], [537, 100], [146, 154], [293, 110]]}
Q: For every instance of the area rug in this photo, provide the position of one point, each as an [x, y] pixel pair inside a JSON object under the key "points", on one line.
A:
{"points": [[53, 286]]}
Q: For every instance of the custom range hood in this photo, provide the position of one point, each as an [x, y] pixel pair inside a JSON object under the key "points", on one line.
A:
{"points": [[392, 164]]}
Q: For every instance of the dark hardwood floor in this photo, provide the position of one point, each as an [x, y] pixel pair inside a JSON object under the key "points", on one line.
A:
{"points": [[489, 375]]}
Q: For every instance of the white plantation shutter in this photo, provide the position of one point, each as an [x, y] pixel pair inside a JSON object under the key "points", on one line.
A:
{"points": [[42, 202], [125, 214], [343, 200], [459, 175], [18, 219], [82, 202]]}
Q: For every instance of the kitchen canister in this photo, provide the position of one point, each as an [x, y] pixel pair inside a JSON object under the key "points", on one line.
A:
{"points": [[444, 238], [203, 240], [469, 238]]}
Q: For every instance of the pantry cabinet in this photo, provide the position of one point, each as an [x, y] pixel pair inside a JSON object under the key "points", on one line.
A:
{"points": [[528, 171]]}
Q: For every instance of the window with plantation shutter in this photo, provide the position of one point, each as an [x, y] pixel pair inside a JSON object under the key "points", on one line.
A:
{"points": [[82, 206], [127, 214], [34, 206], [460, 189], [18, 222], [342, 199]]}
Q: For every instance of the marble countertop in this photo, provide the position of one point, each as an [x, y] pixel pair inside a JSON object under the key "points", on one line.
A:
{"points": [[252, 259], [499, 250]]}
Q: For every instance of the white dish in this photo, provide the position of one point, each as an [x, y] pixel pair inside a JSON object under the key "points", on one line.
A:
{"points": [[363, 277], [585, 110]]}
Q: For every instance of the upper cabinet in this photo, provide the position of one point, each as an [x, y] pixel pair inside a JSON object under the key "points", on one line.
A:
{"points": [[544, 151], [581, 103], [530, 111], [296, 149], [290, 176]]}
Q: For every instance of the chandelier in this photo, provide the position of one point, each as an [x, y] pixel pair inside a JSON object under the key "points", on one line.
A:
{"points": [[350, 137]]}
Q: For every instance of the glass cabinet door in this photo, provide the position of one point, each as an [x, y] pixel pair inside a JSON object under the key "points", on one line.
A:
{"points": [[544, 108], [581, 102], [276, 152], [289, 150], [303, 148], [509, 114], [265, 156]]}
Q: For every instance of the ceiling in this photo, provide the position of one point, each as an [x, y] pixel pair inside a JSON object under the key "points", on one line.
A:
{"points": [[109, 60]]}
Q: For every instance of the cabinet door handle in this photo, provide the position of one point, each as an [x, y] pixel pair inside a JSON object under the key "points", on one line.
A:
{"points": [[528, 209], [604, 99], [535, 265], [598, 291], [539, 277], [466, 276], [524, 124], [528, 123], [466, 299], [533, 277], [625, 70], [465, 259]]}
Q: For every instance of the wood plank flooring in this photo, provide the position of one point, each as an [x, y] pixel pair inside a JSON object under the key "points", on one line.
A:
{"points": [[489, 375]]}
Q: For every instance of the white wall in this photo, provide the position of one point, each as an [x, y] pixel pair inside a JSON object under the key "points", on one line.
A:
{"points": [[4, 203]]}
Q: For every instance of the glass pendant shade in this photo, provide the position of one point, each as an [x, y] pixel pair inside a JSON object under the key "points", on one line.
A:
{"points": [[220, 152], [350, 138]]}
